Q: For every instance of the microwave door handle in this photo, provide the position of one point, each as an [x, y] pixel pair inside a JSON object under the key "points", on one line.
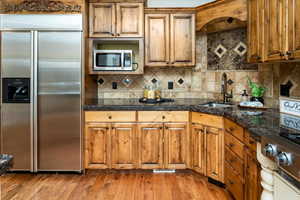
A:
{"points": [[122, 60]]}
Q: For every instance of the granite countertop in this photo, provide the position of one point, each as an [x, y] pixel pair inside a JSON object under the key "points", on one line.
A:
{"points": [[6, 162], [268, 123]]}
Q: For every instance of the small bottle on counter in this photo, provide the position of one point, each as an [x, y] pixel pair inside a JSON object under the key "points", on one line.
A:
{"points": [[245, 96]]}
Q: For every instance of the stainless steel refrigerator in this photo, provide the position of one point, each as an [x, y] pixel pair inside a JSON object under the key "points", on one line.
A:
{"points": [[41, 91]]}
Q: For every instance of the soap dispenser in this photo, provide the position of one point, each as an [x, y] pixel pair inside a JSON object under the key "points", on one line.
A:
{"points": [[244, 96]]}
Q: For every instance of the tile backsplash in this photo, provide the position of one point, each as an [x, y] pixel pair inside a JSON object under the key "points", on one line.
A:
{"points": [[204, 80], [227, 50], [197, 82]]}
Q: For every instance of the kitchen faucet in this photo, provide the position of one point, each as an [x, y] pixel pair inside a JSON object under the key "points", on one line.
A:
{"points": [[225, 82]]}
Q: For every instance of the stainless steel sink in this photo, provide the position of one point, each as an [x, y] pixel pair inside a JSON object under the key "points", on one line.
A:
{"points": [[217, 105]]}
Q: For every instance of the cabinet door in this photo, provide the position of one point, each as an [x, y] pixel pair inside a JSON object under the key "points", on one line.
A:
{"points": [[124, 146], [130, 20], [199, 149], [102, 20], [157, 36], [176, 146], [182, 40], [252, 178], [274, 30], [255, 30], [293, 28], [150, 145], [97, 146], [215, 153]]}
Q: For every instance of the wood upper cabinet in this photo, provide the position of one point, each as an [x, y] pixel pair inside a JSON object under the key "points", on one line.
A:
{"points": [[176, 145], [293, 29], [182, 40], [199, 148], [215, 153], [255, 30], [97, 146], [130, 19], [157, 37], [170, 40], [274, 30], [116, 19], [124, 146], [150, 145], [102, 19]]}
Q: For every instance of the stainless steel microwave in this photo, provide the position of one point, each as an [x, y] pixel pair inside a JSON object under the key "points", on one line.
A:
{"points": [[113, 60]]}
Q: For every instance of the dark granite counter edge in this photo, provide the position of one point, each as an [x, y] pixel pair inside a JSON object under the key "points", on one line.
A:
{"points": [[229, 113]]}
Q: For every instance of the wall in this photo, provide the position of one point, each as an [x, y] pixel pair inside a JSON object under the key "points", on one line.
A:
{"points": [[177, 3], [199, 82]]}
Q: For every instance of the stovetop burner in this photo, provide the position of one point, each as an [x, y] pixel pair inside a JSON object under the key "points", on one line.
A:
{"points": [[294, 137]]}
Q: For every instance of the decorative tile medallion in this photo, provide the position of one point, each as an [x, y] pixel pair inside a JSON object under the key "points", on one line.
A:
{"points": [[235, 56], [127, 81], [241, 49], [220, 50]]}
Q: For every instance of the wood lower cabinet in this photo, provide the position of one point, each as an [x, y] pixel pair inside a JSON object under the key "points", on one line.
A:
{"points": [[199, 148], [176, 145], [97, 146], [242, 170], [124, 146], [150, 139], [253, 188], [208, 146], [214, 153]]}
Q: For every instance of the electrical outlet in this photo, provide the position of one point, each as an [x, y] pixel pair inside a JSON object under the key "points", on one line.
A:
{"points": [[170, 85]]}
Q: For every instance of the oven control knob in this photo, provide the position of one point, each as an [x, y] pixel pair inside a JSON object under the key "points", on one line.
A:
{"points": [[270, 150], [284, 159]]}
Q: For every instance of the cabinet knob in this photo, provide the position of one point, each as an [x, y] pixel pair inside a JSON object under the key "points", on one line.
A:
{"points": [[118, 34], [163, 117], [231, 129], [231, 145], [109, 117], [231, 182]]}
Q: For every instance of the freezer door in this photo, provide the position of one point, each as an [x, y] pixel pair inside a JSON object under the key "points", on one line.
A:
{"points": [[58, 101], [16, 129]]}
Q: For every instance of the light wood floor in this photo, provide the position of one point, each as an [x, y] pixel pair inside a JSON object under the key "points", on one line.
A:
{"points": [[109, 186]]}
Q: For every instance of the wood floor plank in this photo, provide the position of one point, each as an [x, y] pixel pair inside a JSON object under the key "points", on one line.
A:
{"points": [[109, 186]]}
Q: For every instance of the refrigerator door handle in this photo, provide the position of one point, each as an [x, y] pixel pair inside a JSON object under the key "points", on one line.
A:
{"points": [[35, 103], [31, 102]]}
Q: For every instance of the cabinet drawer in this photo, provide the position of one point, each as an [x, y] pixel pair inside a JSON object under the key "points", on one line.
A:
{"points": [[163, 116], [235, 162], [234, 129], [110, 116], [249, 141], [234, 145], [234, 183], [208, 120]]}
